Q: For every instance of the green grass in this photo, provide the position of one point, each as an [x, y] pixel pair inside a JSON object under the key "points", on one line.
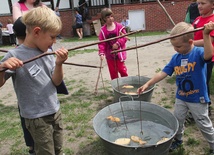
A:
{"points": [[179, 151], [75, 39], [192, 142], [95, 38], [75, 52], [78, 111], [141, 34]]}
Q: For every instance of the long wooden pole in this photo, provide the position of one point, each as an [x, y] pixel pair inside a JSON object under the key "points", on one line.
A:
{"points": [[78, 47], [99, 74], [157, 41], [98, 42], [51, 53], [166, 12]]}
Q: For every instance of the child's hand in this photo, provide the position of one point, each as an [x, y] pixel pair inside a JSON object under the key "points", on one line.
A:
{"points": [[142, 88], [102, 57], [208, 27], [115, 46], [121, 33], [61, 56], [12, 63]]}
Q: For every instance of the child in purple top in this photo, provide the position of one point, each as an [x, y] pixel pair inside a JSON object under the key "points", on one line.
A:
{"points": [[109, 30]]}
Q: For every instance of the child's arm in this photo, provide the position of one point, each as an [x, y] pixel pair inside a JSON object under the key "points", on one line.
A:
{"points": [[61, 56], [158, 77], [199, 43], [121, 41], [208, 47], [11, 63], [101, 46], [16, 12]]}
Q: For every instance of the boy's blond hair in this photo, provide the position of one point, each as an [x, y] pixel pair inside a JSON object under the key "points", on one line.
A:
{"points": [[105, 12], [44, 18], [181, 28]]}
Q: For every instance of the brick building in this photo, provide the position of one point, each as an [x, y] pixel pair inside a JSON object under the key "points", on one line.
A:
{"points": [[155, 17]]}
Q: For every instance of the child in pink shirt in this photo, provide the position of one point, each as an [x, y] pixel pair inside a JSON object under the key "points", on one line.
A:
{"points": [[10, 29], [109, 30]]}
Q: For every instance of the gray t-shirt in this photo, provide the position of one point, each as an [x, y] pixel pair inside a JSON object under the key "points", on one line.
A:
{"points": [[36, 93]]}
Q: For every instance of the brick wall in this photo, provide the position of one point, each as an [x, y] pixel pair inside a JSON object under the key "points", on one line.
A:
{"points": [[156, 19]]}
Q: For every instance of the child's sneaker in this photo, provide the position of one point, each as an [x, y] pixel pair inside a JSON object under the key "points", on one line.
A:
{"points": [[31, 152], [175, 144]]}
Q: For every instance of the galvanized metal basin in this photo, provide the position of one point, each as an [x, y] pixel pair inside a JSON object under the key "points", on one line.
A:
{"points": [[135, 81], [157, 122]]}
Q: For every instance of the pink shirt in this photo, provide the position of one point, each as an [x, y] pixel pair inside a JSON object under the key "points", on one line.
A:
{"points": [[18, 10], [199, 22], [105, 48], [10, 28]]}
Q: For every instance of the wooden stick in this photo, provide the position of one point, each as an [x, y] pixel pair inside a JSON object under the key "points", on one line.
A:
{"points": [[78, 47], [95, 91], [69, 63], [154, 42], [120, 36], [5, 51], [95, 43], [166, 12], [51, 53]]}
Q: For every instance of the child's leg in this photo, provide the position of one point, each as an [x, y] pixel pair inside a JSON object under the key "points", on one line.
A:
{"points": [[122, 68], [27, 136], [209, 74], [58, 133], [81, 33], [13, 39], [200, 114], [78, 33], [45, 134], [180, 112], [112, 67]]}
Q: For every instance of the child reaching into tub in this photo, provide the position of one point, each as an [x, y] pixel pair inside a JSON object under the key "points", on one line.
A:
{"points": [[189, 66], [116, 63]]}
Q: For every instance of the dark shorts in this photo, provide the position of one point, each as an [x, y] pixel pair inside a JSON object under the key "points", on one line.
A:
{"points": [[78, 26]]}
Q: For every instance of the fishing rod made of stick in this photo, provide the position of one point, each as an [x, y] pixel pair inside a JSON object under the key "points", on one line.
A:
{"points": [[95, 43], [157, 41], [78, 47], [102, 41], [51, 53], [67, 63]]}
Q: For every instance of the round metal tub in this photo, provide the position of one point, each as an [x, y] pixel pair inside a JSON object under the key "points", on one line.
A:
{"points": [[157, 122], [136, 81]]}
